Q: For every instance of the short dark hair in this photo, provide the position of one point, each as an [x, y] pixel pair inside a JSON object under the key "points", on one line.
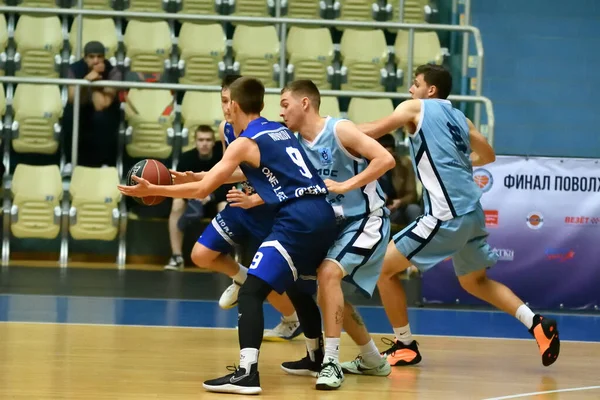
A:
{"points": [[205, 129], [305, 88], [228, 80], [249, 94], [438, 76]]}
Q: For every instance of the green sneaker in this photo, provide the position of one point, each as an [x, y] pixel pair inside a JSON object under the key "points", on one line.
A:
{"points": [[330, 377], [358, 367]]}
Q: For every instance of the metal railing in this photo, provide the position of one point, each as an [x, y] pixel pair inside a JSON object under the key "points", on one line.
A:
{"points": [[283, 22]]}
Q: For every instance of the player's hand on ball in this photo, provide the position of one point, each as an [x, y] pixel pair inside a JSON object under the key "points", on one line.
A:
{"points": [[142, 189], [335, 187], [183, 177], [238, 198]]}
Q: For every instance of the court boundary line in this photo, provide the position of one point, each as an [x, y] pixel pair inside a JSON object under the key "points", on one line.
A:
{"points": [[516, 396], [103, 324]]}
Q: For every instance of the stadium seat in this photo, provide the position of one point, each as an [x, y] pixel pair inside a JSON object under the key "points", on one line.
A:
{"points": [[203, 58], [3, 39], [99, 29], [205, 7], [39, 3], [39, 40], [272, 108], [310, 51], [356, 10], [251, 8], [148, 45], [199, 108], [427, 49], [414, 11], [308, 9], [364, 54], [256, 51], [329, 106], [98, 5], [37, 193], [366, 110], [149, 114], [154, 6], [94, 212], [37, 110]]}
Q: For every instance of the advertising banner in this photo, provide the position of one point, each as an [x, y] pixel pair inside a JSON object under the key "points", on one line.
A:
{"points": [[543, 217]]}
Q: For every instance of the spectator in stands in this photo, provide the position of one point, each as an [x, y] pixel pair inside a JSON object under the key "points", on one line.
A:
{"points": [[99, 113], [183, 213], [399, 185]]}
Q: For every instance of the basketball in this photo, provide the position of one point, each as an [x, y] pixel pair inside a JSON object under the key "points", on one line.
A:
{"points": [[154, 172]]}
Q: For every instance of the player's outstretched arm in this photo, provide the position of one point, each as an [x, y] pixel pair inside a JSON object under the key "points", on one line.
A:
{"points": [[353, 140], [406, 113], [218, 175], [483, 153]]}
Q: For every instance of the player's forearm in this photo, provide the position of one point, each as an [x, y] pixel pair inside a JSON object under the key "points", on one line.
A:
{"points": [[375, 170], [192, 190], [237, 176], [256, 200], [371, 129], [478, 161]]}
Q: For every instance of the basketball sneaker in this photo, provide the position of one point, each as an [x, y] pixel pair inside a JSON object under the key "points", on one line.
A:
{"points": [[359, 367], [285, 330], [545, 332], [400, 354], [229, 298], [239, 381], [330, 377], [175, 264], [305, 366]]}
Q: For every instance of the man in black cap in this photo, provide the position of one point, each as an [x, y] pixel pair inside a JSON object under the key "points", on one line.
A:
{"points": [[99, 112]]}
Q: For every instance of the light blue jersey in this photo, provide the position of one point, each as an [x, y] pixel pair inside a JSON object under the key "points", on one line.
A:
{"points": [[440, 149], [364, 221], [333, 161]]}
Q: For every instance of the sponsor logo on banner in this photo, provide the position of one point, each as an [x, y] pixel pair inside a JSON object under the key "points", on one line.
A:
{"points": [[491, 218], [504, 254], [483, 178], [560, 254], [535, 220], [580, 220]]}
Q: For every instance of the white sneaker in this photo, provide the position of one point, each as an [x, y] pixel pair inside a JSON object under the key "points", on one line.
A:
{"points": [[286, 330], [330, 377], [175, 264], [359, 367], [229, 298]]}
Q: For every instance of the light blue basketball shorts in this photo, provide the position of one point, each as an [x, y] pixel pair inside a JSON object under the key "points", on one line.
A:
{"points": [[429, 241], [360, 248]]}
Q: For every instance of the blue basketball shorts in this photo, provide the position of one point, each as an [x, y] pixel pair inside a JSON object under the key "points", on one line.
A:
{"points": [[429, 241]]}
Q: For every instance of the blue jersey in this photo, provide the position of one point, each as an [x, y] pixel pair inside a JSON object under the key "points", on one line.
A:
{"points": [[230, 137], [284, 172], [333, 161], [440, 149]]}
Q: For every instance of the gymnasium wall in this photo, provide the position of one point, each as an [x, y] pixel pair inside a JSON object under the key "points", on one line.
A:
{"points": [[542, 72]]}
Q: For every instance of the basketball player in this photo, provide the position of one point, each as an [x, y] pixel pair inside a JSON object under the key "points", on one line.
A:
{"points": [[235, 226], [275, 164], [444, 147]]}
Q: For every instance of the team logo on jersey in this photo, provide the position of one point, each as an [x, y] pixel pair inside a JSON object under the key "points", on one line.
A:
{"points": [[535, 220], [483, 178], [325, 154]]}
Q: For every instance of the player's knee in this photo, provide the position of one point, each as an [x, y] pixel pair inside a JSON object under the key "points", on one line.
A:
{"points": [[329, 272], [473, 282], [254, 289], [203, 256], [177, 208]]}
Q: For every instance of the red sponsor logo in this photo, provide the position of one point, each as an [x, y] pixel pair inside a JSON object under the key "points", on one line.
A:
{"points": [[491, 218], [581, 220]]}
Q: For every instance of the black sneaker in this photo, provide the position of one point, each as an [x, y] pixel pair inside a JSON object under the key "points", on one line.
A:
{"points": [[239, 382], [545, 332], [400, 354], [306, 366]]}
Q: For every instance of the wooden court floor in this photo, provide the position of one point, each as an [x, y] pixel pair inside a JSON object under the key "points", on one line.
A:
{"points": [[53, 361]]}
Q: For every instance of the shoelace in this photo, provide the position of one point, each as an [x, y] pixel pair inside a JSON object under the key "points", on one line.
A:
{"points": [[328, 372], [392, 343]]}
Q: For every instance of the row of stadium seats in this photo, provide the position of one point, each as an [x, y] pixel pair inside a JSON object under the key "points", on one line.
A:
{"points": [[39, 205], [415, 11], [362, 60], [152, 118]]}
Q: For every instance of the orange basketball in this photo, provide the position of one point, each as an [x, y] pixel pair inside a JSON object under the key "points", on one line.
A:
{"points": [[154, 172]]}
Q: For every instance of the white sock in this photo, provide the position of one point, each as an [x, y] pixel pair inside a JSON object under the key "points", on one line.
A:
{"points": [[332, 350], [370, 354], [312, 345], [291, 318], [241, 275], [525, 315], [248, 356], [403, 334]]}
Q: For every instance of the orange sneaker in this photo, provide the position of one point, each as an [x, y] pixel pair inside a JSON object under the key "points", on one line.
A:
{"points": [[400, 354], [545, 332]]}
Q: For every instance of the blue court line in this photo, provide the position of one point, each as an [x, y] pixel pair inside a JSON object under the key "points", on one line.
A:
{"points": [[186, 313]]}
